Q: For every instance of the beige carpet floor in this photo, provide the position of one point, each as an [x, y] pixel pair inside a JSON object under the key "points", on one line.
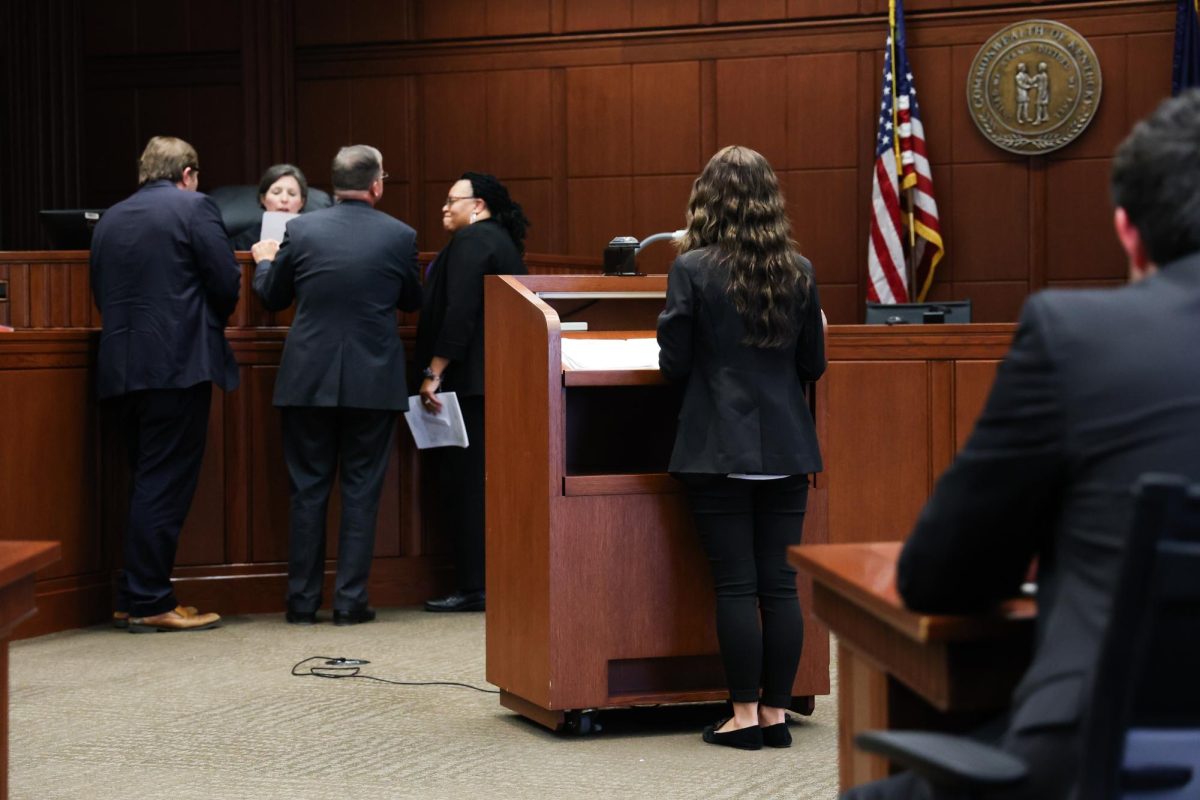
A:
{"points": [[98, 714]]}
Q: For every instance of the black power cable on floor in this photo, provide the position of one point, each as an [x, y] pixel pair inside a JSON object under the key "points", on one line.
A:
{"points": [[337, 667]]}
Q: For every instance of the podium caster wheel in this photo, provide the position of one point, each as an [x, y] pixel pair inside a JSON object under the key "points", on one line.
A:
{"points": [[580, 723]]}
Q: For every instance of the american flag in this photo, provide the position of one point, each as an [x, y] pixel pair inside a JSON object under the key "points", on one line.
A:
{"points": [[901, 141]]}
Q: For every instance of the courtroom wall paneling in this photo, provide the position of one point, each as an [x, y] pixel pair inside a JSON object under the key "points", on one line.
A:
{"points": [[518, 125], [380, 110], [751, 106], [320, 22], [452, 19], [599, 121], [822, 110], [454, 108], [220, 147], [111, 147], [990, 300], [862, 440], [597, 210], [202, 540], [1080, 240], [1148, 58], [586, 15], [823, 206], [666, 119], [667, 13], [989, 229], [740, 11], [972, 384], [515, 17], [49, 468], [659, 205], [537, 201], [269, 496], [323, 111]]}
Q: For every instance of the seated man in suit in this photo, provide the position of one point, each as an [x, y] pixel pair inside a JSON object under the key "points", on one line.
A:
{"points": [[1100, 386], [342, 377]]}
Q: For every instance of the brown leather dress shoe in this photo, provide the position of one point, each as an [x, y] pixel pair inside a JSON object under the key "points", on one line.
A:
{"points": [[120, 619], [182, 618]]}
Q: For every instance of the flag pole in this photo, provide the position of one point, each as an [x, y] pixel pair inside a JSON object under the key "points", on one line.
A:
{"points": [[912, 234]]}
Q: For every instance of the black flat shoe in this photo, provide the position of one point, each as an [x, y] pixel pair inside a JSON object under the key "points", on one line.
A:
{"points": [[353, 617], [459, 601], [743, 738], [301, 617], [776, 735]]}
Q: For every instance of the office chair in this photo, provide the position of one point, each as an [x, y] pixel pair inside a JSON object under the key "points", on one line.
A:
{"points": [[1142, 730]]}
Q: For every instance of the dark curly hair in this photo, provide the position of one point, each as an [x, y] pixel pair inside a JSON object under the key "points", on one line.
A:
{"points": [[503, 208], [737, 208]]}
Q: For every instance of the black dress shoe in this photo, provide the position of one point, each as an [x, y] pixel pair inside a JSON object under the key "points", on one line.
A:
{"points": [[743, 738], [354, 616], [459, 601], [301, 617], [777, 735]]}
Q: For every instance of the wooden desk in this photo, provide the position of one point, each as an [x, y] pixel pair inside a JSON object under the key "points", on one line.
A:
{"points": [[18, 563], [901, 669]]}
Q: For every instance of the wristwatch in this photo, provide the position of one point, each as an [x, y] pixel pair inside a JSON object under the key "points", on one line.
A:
{"points": [[429, 373]]}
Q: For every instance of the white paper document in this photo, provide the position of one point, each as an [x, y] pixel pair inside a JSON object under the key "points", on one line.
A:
{"points": [[442, 429], [273, 224], [602, 354]]}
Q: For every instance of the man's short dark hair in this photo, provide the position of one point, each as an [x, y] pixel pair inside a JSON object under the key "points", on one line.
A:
{"points": [[1156, 179], [356, 167]]}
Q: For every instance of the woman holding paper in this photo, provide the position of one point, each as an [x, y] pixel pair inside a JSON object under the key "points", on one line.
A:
{"points": [[742, 330], [488, 238], [282, 188]]}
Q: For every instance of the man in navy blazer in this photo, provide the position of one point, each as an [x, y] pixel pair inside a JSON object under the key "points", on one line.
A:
{"points": [[165, 280], [1100, 386], [342, 378]]}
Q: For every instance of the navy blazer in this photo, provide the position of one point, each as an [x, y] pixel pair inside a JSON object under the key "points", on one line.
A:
{"points": [[1099, 387], [451, 324], [744, 408], [165, 280], [348, 267]]}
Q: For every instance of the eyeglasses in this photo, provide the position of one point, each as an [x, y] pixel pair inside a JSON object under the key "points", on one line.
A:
{"points": [[451, 199], [383, 176]]}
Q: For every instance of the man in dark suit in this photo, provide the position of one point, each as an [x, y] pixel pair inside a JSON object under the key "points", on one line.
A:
{"points": [[342, 377], [1100, 386], [165, 281]]}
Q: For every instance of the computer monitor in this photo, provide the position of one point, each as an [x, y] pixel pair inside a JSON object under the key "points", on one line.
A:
{"points": [[70, 228], [952, 311]]}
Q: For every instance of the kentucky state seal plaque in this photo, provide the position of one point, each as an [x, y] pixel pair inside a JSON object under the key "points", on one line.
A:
{"points": [[1034, 87]]}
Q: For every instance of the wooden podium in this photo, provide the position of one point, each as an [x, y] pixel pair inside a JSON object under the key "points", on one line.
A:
{"points": [[598, 592]]}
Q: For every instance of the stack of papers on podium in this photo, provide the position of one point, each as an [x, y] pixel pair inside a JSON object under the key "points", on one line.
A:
{"points": [[443, 429], [601, 354]]}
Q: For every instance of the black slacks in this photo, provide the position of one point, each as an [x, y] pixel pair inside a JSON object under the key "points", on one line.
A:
{"points": [[460, 474], [745, 527], [165, 432], [317, 444]]}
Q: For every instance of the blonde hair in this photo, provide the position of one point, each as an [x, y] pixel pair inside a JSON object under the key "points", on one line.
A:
{"points": [[737, 208], [165, 158]]}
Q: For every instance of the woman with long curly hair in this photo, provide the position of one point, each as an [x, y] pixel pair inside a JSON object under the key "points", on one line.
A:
{"points": [[743, 331]]}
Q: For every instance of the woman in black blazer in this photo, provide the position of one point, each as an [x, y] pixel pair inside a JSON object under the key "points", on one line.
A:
{"points": [[488, 230], [743, 330]]}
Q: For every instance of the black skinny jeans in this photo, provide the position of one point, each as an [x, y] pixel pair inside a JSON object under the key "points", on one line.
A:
{"points": [[746, 527]]}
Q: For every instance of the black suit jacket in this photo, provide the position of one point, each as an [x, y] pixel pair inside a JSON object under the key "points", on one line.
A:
{"points": [[1100, 386], [451, 324], [165, 280], [348, 268], [744, 408]]}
